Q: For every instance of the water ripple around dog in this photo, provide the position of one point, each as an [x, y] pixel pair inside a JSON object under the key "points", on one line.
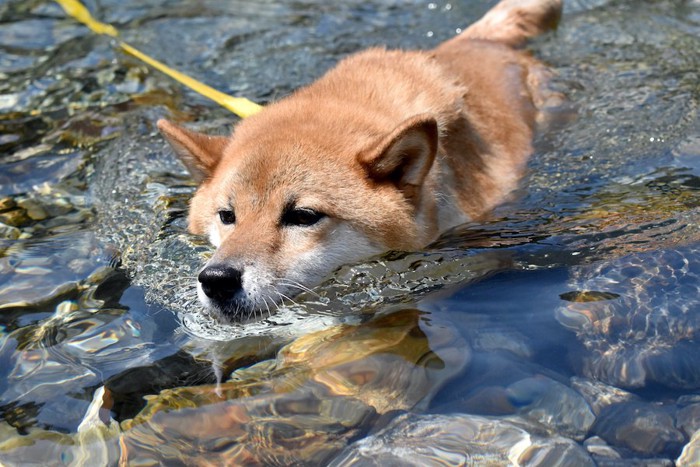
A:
{"points": [[344, 297]]}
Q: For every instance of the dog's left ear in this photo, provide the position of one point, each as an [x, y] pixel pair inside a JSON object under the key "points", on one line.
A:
{"points": [[404, 157], [199, 152]]}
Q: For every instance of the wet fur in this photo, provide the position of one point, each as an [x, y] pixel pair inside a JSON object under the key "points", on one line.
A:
{"points": [[393, 146]]}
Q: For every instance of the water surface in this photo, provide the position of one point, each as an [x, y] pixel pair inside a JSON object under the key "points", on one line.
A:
{"points": [[563, 329]]}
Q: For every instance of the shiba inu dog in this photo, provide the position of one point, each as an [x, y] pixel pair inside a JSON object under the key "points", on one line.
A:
{"points": [[384, 152]]}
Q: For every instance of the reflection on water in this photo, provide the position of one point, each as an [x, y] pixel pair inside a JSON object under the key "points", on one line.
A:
{"points": [[562, 330]]}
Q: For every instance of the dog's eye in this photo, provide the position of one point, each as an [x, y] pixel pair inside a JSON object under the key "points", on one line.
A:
{"points": [[301, 216], [227, 217]]}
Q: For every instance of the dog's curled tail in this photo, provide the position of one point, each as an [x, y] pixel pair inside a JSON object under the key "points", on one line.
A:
{"points": [[513, 22]]}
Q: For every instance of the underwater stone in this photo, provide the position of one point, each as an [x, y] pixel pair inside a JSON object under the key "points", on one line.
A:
{"points": [[8, 232], [691, 452], [295, 428], [59, 207], [552, 404], [554, 452], [599, 448], [34, 210], [16, 294], [649, 333], [688, 419], [7, 203], [459, 439], [634, 462], [76, 217], [14, 218], [644, 428], [33, 270], [5, 265], [40, 261], [99, 275], [81, 265], [600, 395], [38, 447]]}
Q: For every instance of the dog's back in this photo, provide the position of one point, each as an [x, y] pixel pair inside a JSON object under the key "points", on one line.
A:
{"points": [[505, 89]]}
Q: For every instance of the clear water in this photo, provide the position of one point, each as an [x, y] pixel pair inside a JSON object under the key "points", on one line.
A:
{"points": [[569, 313]]}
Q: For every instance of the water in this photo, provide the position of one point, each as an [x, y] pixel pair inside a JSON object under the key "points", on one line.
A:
{"points": [[562, 329]]}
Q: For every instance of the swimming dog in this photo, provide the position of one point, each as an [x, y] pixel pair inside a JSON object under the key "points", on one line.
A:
{"points": [[384, 152]]}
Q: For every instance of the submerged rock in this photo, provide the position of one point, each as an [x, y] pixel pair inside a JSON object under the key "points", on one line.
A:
{"points": [[645, 328], [460, 439], [643, 428], [599, 449], [40, 273], [392, 362], [8, 232], [691, 452], [95, 443], [271, 429], [634, 462], [322, 391], [688, 419], [553, 405], [600, 395], [36, 447]]}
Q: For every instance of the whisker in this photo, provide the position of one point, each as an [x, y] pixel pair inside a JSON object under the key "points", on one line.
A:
{"points": [[269, 313], [298, 285], [286, 297]]}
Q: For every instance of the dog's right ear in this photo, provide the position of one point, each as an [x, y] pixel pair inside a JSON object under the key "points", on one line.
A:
{"points": [[404, 157], [199, 152]]}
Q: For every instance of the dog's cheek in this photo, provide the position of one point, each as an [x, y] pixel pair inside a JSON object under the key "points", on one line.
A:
{"points": [[299, 253], [314, 256], [200, 212], [214, 234]]}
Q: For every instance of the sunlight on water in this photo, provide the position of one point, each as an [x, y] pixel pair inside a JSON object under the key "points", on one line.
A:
{"points": [[563, 329]]}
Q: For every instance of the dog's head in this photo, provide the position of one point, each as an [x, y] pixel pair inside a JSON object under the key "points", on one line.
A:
{"points": [[287, 202]]}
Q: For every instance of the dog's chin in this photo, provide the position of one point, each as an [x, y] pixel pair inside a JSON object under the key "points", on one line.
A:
{"points": [[236, 314], [238, 310]]}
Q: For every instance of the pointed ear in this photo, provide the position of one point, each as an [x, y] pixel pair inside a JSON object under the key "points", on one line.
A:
{"points": [[405, 156], [199, 152]]}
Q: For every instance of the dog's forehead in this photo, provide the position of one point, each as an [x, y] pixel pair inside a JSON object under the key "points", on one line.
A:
{"points": [[267, 168], [280, 173]]}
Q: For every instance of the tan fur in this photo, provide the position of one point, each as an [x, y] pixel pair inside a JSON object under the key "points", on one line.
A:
{"points": [[393, 146]]}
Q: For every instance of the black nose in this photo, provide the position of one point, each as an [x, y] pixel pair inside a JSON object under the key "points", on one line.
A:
{"points": [[220, 283]]}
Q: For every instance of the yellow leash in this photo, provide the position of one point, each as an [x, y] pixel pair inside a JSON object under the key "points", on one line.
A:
{"points": [[238, 105]]}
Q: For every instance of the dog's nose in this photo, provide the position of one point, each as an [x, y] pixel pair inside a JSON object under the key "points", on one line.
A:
{"points": [[221, 283]]}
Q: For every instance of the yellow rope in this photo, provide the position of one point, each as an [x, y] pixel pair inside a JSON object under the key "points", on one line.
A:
{"points": [[238, 105]]}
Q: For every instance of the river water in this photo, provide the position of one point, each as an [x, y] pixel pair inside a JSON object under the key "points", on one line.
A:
{"points": [[564, 329]]}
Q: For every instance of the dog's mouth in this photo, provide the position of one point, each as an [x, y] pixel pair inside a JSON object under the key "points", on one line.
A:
{"points": [[221, 291], [240, 312], [240, 309]]}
